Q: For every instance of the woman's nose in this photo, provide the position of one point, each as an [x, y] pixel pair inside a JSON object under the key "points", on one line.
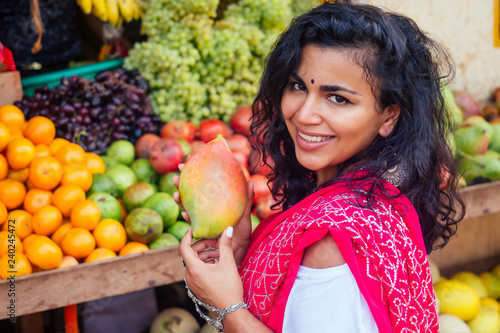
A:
{"points": [[310, 111]]}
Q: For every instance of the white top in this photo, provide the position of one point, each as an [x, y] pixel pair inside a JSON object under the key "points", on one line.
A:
{"points": [[327, 300]]}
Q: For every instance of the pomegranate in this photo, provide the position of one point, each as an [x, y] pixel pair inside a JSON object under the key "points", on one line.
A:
{"points": [[241, 120], [209, 128], [165, 156], [263, 207], [144, 144], [176, 129]]}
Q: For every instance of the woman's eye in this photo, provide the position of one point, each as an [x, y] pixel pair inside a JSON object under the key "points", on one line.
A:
{"points": [[339, 99], [298, 86]]}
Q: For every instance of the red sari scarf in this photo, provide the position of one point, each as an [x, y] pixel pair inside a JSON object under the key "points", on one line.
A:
{"points": [[383, 248]]}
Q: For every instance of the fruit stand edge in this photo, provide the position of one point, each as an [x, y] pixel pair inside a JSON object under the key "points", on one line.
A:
{"points": [[481, 199], [90, 281]]}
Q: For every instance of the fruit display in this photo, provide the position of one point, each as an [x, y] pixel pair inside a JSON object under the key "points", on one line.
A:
{"points": [[200, 66], [112, 11], [468, 302], [94, 113], [476, 138]]}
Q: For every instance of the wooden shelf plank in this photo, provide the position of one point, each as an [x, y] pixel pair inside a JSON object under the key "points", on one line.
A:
{"points": [[60, 287], [481, 199], [85, 282]]}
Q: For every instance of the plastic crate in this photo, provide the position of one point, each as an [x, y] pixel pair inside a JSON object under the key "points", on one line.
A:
{"points": [[54, 78]]}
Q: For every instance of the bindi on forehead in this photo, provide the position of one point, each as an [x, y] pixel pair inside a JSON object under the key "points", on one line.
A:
{"points": [[312, 81]]}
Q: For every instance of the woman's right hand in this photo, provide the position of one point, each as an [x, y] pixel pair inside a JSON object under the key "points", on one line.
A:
{"points": [[242, 231]]}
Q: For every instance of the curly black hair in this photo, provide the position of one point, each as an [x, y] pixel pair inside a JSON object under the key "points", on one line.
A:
{"points": [[405, 67]]}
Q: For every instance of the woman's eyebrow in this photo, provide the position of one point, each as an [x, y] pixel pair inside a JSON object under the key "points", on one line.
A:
{"points": [[335, 88]]}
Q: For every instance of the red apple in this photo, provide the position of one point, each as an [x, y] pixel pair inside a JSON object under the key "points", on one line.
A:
{"points": [[241, 157], [240, 142], [179, 129], [196, 144], [210, 128], [144, 144], [256, 165], [241, 120], [260, 187], [263, 207], [165, 156]]}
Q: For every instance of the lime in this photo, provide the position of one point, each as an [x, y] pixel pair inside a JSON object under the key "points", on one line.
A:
{"points": [[108, 161], [165, 205], [255, 221], [122, 176], [135, 195], [166, 183], [144, 171], [164, 240], [108, 205], [457, 298], [123, 151], [178, 229], [143, 225], [102, 183]]}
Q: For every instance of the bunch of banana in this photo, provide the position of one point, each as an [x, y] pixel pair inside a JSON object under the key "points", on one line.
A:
{"points": [[113, 11]]}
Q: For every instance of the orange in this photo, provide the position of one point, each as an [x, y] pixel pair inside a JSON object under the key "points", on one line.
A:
{"points": [[44, 253], [133, 247], [100, 254], [22, 223], [27, 241], [36, 199], [94, 163], [45, 172], [17, 263], [15, 132], [40, 130], [4, 167], [66, 197], [46, 220], [85, 214], [56, 144], [110, 234], [4, 136], [3, 213], [42, 150], [12, 115], [12, 193], [78, 175], [29, 185], [20, 153], [10, 243], [19, 175], [70, 154], [78, 242], [58, 235]]}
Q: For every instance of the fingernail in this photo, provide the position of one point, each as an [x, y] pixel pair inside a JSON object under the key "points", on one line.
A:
{"points": [[229, 232]]}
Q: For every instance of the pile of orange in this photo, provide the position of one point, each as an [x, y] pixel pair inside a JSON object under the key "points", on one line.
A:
{"points": [[44, 214]]}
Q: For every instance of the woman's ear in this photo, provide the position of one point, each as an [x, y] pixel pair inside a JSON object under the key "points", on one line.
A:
{"points": [[391, 119]]}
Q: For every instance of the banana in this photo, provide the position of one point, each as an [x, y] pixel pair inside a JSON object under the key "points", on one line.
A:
{"points": [[85, 5], [113, 13], [126, 9], [100, 10], [137, 11]]}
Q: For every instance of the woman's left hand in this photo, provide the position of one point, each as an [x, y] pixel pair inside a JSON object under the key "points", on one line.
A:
{"points": [[217, 284]]}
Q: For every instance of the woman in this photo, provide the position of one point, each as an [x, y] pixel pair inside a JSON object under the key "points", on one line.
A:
{"points": [[351, 113]]}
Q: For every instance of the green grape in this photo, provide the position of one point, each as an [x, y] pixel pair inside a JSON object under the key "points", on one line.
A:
{"points": [[199, 67]]}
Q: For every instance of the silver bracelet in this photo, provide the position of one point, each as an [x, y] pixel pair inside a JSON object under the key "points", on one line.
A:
{"points": [[221, 313]]}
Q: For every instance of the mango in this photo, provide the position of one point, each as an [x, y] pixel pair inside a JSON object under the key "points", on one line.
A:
{"points": [[213, 189]]}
